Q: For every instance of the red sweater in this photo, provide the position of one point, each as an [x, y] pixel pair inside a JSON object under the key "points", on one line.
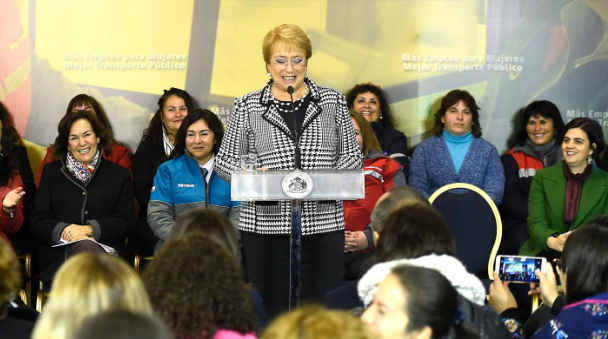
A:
{"points": [[119, 155], [8, 225]]}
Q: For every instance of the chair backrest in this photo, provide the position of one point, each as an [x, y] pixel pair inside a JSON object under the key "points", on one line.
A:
{"points": [[475, 222]]}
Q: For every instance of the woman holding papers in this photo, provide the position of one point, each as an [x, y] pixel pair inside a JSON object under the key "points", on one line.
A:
{"points": [[82, 196]]}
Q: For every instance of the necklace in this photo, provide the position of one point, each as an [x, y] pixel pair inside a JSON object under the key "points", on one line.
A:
{"points": [[281, 104]]}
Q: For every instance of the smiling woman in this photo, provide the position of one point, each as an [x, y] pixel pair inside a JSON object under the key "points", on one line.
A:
{"points": [[188, 181], [83, 196], [536, 147]]}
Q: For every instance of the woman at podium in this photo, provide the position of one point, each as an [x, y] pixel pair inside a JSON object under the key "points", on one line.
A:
{"points": [[268, 125]]}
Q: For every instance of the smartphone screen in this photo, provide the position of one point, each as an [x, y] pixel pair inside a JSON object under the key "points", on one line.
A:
{"points": [[518, 268]]}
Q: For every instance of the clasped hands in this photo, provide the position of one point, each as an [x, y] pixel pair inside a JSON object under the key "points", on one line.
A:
{"points": [[354, 241], [75, 232], [502, 299]]}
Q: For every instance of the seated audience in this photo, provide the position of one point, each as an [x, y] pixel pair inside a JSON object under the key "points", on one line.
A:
{"points": [[188, 181], [156, 145], [416, 302], [537, 146], [583, 272], [88, 284], [114, 152], [346, 296], [381, 174], [457, 153], [123, 324], [369, 100], [11, 185], [418, 236], [16, 322], [81, 197], [195, 285], [568, 194], [316, 322], [219, 228]]}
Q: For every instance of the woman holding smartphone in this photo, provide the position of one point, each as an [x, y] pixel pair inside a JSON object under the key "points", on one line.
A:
{"points": [[569, 194]]}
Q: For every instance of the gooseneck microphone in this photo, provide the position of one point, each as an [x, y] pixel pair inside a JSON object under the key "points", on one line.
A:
{"points": [[297, 154]]}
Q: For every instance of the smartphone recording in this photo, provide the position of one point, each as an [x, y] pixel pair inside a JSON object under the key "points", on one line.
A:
{"points": [[519, 269]]}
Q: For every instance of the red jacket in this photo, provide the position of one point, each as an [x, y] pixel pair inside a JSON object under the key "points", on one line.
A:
{"points": [[119, 155], [379, 177], [8, 225]]}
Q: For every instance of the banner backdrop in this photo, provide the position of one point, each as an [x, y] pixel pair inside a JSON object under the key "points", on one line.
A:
{"points": [[124, 53]]}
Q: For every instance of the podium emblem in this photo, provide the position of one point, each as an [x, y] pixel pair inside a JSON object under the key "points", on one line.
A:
{"points": [[297, 185]]}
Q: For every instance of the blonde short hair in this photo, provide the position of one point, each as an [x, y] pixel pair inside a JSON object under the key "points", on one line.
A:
{"points": [[85, 285], [317, 322], [289, 36]]}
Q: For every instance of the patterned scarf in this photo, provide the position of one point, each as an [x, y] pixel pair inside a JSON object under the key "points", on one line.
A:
{"points": [[82, 172], [166, 142]]}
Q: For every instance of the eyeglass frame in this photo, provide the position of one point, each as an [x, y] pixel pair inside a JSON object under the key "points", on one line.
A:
{"points": [[288, 63]]}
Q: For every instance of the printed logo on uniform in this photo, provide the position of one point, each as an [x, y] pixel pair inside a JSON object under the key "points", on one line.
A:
{"points": [[185, 185]]}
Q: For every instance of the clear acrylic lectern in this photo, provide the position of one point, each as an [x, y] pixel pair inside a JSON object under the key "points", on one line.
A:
{"points": [[297, 185]]}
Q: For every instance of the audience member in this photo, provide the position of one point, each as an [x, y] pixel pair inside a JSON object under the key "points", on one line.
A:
{"points": [[583, 272], [316, 322], [15, 322], [568, 194], [114, 152], [195, 285], [381, 174], [219, 228], [416, 302], [11, 185], [417, 235], [346, 296], [156, 145], [188, 181], [537, 146], [88, 284], [457, 153], [123, 324], [81, 197], [370, 100]]}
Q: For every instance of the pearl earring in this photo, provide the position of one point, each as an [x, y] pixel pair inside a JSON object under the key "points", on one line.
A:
{"points": [[268, 73], [97, 140]]}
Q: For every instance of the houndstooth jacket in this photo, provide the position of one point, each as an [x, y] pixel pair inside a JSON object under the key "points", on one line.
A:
{"points": [[327, 141]]}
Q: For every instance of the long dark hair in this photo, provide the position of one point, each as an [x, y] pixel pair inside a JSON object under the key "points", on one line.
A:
{"points": [[585, 260], [386, 117], [60, 147], [154, 132], [7, 141], [214, 123], [545, 109], [431, 301]]}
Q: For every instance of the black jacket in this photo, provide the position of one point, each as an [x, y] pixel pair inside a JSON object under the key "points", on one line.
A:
{"points": [[106, 203], [393, 144]]}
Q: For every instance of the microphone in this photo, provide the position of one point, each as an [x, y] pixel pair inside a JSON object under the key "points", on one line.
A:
{"points": [[297, 159]]}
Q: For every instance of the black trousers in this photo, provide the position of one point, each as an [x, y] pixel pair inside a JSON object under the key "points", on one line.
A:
{"points": [[267, 263]]}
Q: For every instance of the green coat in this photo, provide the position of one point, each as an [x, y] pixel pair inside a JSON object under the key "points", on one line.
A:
{"points": [[546, 205]]}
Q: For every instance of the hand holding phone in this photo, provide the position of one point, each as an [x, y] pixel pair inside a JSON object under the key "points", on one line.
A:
{"points": [[519, 269]]}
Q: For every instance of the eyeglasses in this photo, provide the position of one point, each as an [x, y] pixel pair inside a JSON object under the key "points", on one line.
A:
{"points": [[296, 63]]}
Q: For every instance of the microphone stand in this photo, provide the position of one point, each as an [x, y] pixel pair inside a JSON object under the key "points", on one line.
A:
{"points": [[295, 238]]}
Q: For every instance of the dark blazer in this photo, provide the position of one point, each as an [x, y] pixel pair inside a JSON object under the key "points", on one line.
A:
{"points": [[546, 205], [106, 203], [146, 161]]}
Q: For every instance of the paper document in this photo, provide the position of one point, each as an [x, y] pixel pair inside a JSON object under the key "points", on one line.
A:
{"points": [[106, 248]]}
